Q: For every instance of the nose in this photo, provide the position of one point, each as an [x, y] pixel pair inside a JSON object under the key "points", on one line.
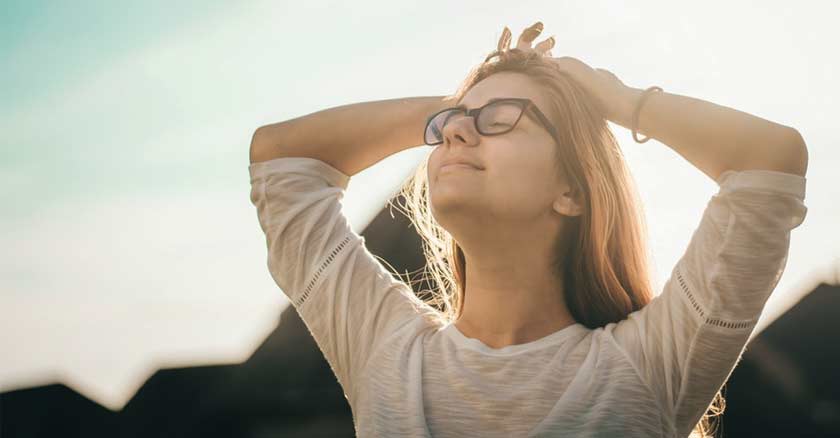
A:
{"points": [[460, 129]]}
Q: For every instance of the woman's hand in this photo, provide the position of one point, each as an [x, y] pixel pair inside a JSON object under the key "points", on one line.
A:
{"points": [[613, 97]]}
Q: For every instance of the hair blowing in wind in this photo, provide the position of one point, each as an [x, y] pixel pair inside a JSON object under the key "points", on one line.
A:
{"points": [[602, 256]]}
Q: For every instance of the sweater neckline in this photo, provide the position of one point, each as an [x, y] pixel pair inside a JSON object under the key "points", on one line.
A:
{"points": [[454, 334]]}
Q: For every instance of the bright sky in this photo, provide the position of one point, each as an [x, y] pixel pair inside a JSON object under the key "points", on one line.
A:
{"points": [[131, 241]]}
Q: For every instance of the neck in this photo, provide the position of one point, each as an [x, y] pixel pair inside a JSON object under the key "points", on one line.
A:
{"points": [[512, 297]]}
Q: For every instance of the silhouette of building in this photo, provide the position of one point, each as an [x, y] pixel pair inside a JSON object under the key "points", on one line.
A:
{"points": [[786, 384]]}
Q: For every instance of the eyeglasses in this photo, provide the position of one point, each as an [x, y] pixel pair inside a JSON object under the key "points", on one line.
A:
{"points": [[498, 116]]}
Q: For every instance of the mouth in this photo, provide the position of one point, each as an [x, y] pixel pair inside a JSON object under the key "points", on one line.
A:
{"points": [[456, 166]]}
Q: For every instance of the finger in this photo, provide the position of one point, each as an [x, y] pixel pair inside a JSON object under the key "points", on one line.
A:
{"points": [[504, 41], [529, 35], [545, 45]]}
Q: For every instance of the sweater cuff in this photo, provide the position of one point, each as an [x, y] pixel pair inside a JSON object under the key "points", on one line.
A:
{"points": [[771, 180]]}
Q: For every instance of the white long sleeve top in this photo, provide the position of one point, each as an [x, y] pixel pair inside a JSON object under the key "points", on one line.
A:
{"points": [[654, 373]]}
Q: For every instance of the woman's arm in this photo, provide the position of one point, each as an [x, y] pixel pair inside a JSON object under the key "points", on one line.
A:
{"points": [[351, 137], [712, 137]]}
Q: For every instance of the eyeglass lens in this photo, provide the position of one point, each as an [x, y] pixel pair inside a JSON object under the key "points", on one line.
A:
{"points": [[495, 118]]}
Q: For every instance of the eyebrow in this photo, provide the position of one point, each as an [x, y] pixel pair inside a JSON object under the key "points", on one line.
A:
{"points": [[464, 107]]}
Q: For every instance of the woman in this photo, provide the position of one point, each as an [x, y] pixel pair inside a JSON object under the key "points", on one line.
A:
{"points": [[544, 322]]}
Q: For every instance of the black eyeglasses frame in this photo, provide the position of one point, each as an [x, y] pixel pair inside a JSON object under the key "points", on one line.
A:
{"points": [[525, 104]]}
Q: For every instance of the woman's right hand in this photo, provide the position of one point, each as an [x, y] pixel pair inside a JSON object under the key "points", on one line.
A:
{"points": [[614, 98]]}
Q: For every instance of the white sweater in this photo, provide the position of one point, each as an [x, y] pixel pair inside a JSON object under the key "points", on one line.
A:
{"points": [[653, 374]]}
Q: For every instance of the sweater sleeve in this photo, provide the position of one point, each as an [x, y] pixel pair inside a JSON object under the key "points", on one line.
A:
{"points": [[686, 342], [346, 298]]}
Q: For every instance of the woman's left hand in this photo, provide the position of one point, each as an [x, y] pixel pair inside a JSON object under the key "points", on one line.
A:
{"points": [[613, 97]]}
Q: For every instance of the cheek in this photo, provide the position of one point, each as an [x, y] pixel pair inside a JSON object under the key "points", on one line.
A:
{"points": [[432, 161], [430, 178], [521, 182]]}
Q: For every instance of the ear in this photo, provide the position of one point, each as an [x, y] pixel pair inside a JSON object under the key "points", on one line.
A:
{"points": [[568, 204]]}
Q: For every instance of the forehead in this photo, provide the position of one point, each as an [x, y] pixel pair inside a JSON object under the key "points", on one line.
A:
{"points": [[503, 84]]}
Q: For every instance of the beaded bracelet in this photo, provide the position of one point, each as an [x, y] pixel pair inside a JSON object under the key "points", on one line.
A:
{"points": [[638, 109]]}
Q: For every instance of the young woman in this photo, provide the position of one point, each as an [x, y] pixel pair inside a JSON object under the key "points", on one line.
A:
{"points": [[544, 322]]}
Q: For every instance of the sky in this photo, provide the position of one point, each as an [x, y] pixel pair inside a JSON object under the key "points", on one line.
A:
{"points": [[131, 243]]}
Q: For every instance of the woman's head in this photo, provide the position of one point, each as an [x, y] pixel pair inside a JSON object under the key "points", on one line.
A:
{"points": [[517, 182], [576, 191]]}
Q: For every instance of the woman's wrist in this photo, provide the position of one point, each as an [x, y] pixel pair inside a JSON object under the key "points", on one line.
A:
{"points": [[622, 111]]}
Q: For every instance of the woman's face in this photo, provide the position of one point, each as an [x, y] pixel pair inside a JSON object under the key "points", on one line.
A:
{"points": [[517, 183]]}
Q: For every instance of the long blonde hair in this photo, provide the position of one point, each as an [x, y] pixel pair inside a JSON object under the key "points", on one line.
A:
{"points": [[603, 257]]}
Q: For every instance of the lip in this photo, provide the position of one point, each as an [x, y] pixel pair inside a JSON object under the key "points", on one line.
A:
{"points": [[455, 166], [460, 163]]}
